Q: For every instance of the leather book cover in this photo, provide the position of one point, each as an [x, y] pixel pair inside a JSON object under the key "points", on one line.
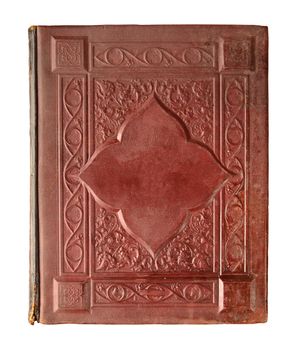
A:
{"points": [[149, 181]]}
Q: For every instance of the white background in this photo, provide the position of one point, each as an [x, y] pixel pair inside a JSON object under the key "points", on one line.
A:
{"points": [[15, 18]]}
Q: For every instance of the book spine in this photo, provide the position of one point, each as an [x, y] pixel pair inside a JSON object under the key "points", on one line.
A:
{"points": [[34, 282]]}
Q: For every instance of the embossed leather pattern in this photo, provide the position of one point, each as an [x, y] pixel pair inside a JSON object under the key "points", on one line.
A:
{"points": [[152, 163]]}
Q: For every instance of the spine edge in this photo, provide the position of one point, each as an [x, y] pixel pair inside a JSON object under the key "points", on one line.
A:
{"points": [[34, 277]]}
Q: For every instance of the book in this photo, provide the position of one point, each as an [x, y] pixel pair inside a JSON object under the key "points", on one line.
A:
{"points": [[149, 174]]}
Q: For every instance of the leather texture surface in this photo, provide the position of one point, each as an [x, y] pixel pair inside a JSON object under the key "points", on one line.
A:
{"points": [[152, 174]]}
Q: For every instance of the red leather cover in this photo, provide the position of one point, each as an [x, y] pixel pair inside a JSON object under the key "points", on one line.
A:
{"points": [[151, 187]]}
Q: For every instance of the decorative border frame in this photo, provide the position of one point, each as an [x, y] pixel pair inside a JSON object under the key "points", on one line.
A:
{"points": [[232, 141]]}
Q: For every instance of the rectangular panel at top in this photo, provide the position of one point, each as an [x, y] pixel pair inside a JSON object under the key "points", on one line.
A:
{"points": [[154, 55]]}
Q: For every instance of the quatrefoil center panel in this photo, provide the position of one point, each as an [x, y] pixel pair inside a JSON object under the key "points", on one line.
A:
{"points": [[152, 175]]}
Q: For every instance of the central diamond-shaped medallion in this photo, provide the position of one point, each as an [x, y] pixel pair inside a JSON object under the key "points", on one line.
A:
{"points": [[152, 175]]}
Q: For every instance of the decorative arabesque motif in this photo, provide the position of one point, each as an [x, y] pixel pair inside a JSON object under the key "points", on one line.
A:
{"points": [[73, 211], [112, 101], [143, 293], [191, 249], [115, 250], [234, 160], [192, 101]]}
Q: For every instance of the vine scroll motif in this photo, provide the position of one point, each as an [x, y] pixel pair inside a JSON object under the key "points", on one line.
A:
{"points": [[146, 293], [72, 140], [191, 249], [235, 158], [201, 56]]}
